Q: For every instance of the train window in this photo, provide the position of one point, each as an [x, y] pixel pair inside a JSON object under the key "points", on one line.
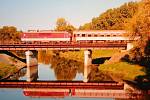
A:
{"points": [[89, 35], [114, 35], [78, 35], [83, 35], [108, 35], [95, 35], [101, 35]]}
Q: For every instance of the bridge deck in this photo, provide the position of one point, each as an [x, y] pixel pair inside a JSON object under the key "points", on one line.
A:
{"points": [[61, 46]]}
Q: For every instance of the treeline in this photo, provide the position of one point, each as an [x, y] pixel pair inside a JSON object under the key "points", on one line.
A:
{"points": [[139, 26], [112, 19], [9, 34]]}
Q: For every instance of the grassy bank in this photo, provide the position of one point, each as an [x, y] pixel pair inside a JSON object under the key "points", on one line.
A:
{"points": [[122, 70]]}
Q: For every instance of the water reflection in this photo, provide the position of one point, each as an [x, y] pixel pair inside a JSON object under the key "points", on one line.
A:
{"points": [[45, 72], [64, 69]]}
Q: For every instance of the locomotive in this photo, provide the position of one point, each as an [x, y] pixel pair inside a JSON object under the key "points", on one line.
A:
{"points": [[91, 36]]}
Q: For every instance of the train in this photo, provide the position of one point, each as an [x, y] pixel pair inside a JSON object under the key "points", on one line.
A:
{"points": [[80, 36]]}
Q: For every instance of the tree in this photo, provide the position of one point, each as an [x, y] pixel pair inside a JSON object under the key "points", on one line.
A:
{"points": [[87, 26], [62, 25], [9, 34], [139, 26], [70, 28]]}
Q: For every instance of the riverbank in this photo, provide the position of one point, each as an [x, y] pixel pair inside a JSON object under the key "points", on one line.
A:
{"points": [[120, 70], [9, 65]]}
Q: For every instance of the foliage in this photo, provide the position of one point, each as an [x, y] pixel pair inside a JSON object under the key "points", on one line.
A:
{"points": [[9, 34], [62, 25], [139, 26], [86, 26], [112, 19]]}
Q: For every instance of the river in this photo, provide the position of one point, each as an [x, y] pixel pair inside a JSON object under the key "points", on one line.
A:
{"points": [[45, 72]]}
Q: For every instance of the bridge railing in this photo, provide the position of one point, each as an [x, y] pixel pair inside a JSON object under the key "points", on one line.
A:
{"points": [[58, 43]]}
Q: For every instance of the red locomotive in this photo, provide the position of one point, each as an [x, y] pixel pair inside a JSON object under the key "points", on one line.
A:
{"points": [[77, 36], [45, 36]]}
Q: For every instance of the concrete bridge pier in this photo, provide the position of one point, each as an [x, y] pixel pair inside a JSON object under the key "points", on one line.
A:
{"points": [[129, 46], [87, 62], [32, 69]]}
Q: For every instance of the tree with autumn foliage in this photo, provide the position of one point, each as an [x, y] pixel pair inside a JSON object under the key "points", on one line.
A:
{"points": [[63, 25], [139, 26], [9, 34], [112, 19]]}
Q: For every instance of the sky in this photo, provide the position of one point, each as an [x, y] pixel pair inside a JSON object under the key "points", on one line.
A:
{"points": [[43, 14]]}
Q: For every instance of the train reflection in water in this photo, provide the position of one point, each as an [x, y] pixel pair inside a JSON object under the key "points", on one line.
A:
{"points": [[82, 93]]}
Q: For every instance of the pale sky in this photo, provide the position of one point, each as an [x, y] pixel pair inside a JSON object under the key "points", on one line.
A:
{"points": [[42, 14]]}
